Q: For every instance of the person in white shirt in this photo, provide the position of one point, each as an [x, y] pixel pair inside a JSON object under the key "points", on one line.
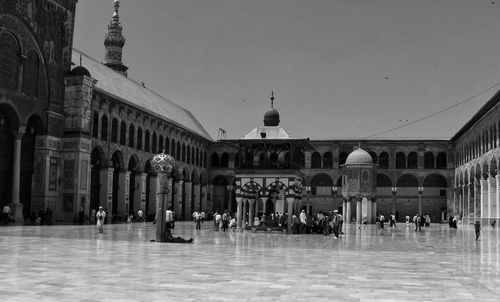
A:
{"points": [[140, 215], [100, 215], [6, 213]]}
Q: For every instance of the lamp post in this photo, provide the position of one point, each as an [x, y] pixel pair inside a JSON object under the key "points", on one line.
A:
{"points": [[394, 190], [420, 191], [163, 164]]}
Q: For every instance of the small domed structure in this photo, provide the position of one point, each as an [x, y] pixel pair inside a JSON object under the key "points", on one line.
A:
{"points": [[359, 157], [271, 117], [79, 71]]}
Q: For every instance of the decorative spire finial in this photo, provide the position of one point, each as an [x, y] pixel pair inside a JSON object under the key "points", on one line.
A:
{"points": [[116, 4], [272, 99]]}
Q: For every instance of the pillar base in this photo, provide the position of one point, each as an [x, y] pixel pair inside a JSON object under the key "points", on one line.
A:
{"points": [[17, 208]]}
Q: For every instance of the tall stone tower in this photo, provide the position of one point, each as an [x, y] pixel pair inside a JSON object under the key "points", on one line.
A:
{"points": [[114, 41]]}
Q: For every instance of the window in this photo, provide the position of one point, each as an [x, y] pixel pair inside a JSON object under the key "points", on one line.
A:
{"points": [[9, 61], [383, 160], [429, 160], [139, 138], [131, 136], [95, 124], [400, 160], [114, 130], [315, 160], [328, 160], [30, 74], [412, 160], [104, 128], [123, 133]]}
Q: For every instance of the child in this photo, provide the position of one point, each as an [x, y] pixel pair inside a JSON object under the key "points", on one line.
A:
{"points": [[477, 228]]}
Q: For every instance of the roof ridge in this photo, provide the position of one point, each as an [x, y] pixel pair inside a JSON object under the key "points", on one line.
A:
{"points": [[138, 85]]}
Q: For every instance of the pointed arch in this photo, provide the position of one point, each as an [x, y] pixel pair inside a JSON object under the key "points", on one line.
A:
{"points": [[10, 56], [412, 160], [383, 160], [114, 130], [123, 133], [328, 160], [429, 160], [316, 160], [400, 160]]}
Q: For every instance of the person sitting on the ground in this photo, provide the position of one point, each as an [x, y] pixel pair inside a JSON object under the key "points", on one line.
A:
{"points": [[170, 238]]}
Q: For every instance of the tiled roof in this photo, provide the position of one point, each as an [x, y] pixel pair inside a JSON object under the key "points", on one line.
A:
{"points": [[128, 91], [271, 132]]}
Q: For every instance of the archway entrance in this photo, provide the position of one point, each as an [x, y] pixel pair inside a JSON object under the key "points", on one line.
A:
{"points": [[33, 129]]}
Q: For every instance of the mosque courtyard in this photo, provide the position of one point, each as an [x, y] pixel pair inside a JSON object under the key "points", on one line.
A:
{"points": [[75, 263]]}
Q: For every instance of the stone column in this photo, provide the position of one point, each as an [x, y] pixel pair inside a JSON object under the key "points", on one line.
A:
{"points": [[16, 176], [365, 209], [290, 210], [344, 208], [484, 200], [153, 188], [497, 180], [122, 197], [196, 198], [239, 212], [250, 211], [264, 203], [463, 202], [161, 205], [137, 181], [348, 212], [187, 201], [477, 199], [142, 186], [420, 202], [177, 198], [394, 202], [230, 197], [358, 210], [106, 192], [492, 209], [470, 202], [374, 211], [203, 199]]}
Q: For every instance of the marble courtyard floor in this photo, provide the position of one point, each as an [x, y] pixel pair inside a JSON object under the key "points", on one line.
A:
{"points": [[75, 263]]}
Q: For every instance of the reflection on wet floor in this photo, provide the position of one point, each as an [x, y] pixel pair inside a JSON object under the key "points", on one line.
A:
{"points": [[75, 263]]}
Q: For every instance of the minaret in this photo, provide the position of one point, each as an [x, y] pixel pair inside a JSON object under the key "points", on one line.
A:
{"points": [[114, 41]]}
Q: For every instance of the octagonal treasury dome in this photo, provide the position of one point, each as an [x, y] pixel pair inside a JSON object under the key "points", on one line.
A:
{"points": [[359, 157]]}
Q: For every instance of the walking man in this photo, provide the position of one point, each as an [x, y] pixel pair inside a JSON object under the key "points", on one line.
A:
{"points": [[477, 228]]}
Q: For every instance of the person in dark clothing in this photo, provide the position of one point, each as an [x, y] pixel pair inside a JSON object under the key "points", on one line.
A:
{"points": [[477, 229], [81, 216], [170, 238]]}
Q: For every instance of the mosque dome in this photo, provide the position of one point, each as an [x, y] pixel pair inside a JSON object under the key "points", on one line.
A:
{"points": [[271, 117], [78, 71], [359, 157]]}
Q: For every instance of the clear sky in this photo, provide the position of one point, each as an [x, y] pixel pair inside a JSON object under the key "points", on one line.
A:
{"points": [[338, 68]]}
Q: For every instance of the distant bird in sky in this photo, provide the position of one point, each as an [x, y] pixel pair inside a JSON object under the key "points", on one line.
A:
{"points": [[386, 78]]}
